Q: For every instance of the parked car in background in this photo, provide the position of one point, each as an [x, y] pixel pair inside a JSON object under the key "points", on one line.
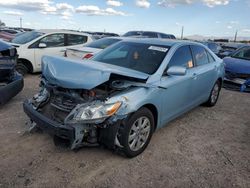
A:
{"points": [[148, 34], [11, 83], [89, 50], [228, 48], [214, 47], [31, 46], [237, 68], [6, 36], [10, 31], [125, 93], [99, 35]]}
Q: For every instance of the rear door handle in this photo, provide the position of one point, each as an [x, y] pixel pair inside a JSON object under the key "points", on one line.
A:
{"points": [[194, 76]]}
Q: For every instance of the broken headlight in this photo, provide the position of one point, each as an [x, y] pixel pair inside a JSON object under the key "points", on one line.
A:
{"points": [[96, 112]]}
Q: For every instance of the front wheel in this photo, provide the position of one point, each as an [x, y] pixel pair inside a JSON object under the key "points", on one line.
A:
{"points": [[214, 95], [137, 132], [21, 68]]}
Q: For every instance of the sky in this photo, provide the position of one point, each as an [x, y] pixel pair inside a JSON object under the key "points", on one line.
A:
{"points": [[198, 17]]}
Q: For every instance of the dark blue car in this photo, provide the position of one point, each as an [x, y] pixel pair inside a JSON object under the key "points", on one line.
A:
{"points": [[237, 68], [11, 83]]}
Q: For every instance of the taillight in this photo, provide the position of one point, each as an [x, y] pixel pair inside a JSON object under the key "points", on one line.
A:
{"points": [[87, 56]]}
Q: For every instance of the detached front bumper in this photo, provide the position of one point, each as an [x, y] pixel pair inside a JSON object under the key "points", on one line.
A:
{"points": [[47, 125], [11, 89], [238, 82]]}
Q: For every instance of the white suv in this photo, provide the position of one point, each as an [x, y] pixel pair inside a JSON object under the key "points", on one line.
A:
{"points": [[31, 46]]}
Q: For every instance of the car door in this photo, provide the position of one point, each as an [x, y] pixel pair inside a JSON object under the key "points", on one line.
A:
{"points": [[203, 74], [53, 44], [176, 97]]}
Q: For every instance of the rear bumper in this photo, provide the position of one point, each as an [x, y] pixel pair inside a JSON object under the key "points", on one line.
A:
{"points": [[47, 125], [12, 89]]}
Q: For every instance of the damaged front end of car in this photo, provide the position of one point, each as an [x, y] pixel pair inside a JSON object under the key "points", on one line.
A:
{"points": [[86, 108], [11, 83]]}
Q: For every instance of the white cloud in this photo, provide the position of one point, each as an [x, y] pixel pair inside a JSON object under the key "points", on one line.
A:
{"points": [[92, 10], [26, 5], [142, 3], [114, 3], [13, 13], [209, 3], [234, 22], [64, 6], [229, 27], [217, 22], [245, 30]]}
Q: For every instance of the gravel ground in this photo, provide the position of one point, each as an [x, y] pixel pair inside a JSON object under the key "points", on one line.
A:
{"points": [[207, 147]]}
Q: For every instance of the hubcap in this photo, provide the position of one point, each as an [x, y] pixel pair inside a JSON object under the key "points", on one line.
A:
{"points": [[139, 133], [215, 93]]}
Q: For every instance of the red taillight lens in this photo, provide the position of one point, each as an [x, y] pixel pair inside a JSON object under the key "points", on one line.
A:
{"points": [[87, 56]]}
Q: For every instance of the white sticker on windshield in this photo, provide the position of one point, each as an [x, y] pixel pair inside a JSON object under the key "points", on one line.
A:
{"points": [[157, 48]]}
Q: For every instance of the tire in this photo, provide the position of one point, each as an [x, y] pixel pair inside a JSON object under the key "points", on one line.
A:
{"points": [[21, 68], [142, 134], [214, 95]]}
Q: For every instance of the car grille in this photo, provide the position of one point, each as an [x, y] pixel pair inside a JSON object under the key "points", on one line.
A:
{"points": [[62, 103]]}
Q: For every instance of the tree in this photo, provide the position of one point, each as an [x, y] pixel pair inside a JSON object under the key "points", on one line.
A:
{"points": [[2, 24]]}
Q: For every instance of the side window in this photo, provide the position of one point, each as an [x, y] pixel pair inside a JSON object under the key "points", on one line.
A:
{"points": [[76, 39], [150, 34], [182, 57], [210, 57], [164, 36], [200, 55], [54, 40]]}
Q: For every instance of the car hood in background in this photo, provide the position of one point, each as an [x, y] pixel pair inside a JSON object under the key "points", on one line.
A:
{"points": [[82, 74], [235, 65]]}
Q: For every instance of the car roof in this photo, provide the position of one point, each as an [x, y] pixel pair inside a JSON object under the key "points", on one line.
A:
{"points": [[47, 31], [158, 41]]}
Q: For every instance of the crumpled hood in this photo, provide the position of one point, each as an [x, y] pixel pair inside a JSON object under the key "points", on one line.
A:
{"points": [[235, 65], [87, 74]]}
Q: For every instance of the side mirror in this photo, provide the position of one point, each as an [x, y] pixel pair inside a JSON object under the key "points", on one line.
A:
{"points": [[177, 71], [42, 45]]}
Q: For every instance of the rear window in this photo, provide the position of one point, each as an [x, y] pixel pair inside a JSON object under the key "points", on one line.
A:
{"points": [[137, 56], [102, 43], [76, 39]]}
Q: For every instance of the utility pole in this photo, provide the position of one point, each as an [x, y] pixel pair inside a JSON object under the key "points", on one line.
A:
{"points": [[182, 30], [235, 36], [21, 24]]}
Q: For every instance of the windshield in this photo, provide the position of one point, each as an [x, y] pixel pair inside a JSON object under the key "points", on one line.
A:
{"points": [[137, 56], [26, 37], [102, 43], [243, 53]]}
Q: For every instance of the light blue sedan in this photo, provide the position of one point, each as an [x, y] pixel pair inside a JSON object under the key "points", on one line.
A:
{"points": [[126, 92]]}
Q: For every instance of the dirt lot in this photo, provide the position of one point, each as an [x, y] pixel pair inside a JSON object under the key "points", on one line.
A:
{"points": [[207, 147]]}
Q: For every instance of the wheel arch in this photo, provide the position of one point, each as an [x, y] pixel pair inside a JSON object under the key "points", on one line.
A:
{"points": [[154, 111], [27, 63]]}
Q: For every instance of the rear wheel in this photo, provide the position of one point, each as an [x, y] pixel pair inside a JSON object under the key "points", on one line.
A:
{"points": [[21, 68], [214, 95], [137, 132]]}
